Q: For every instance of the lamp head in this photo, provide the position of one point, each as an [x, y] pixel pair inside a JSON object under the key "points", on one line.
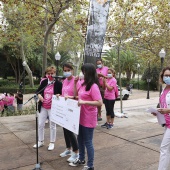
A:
{"points": [[58, 56], [162, 53]]}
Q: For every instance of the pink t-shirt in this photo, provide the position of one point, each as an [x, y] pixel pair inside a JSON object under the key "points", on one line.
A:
{"points": [[10, 100], [68, 87], [110, 95], [164, 105], [5, 100], [48, 94], [103, 71], [79, 83], [88, 114]]}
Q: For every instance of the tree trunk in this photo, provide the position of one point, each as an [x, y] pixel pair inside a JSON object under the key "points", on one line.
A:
{"points": [[26, 66], [128, 75], [48, 29]]}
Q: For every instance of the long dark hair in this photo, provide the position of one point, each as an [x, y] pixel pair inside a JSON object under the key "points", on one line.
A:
{"points": [[90, 75]]}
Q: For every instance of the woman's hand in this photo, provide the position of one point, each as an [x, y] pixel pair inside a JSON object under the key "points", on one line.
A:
{"points": [[80, 102], [40, 98], [100, 75], [104, 81], [164, 110], [57, 95], [153, 113], [69, 97], [76, 79]]}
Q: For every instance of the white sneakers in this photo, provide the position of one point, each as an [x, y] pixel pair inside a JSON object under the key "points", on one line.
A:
{"points": [[40, 144], [65, 153], [51, 146], [73, 157]]}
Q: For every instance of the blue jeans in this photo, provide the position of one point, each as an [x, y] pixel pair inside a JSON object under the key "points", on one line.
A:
{"points": [[85, 139]]}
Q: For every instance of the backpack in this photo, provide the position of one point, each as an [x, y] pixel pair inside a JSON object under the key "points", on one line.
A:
{"points": [[116, 92]]}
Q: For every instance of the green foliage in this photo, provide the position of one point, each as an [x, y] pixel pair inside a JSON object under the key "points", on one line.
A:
{"points": [[128, 62], [142, 84], [14, 89], [26, 111], [153, 74], [110, 58], [9, 85]]}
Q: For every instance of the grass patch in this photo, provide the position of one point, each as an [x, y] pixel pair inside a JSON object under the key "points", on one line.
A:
{"points": [[29, 110]]}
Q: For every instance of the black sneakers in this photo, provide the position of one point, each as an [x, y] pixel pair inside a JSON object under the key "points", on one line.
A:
{"points": [[77, 162], [105, 125]]}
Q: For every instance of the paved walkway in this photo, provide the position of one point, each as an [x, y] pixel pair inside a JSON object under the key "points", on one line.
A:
{"points": [[133, 143]]}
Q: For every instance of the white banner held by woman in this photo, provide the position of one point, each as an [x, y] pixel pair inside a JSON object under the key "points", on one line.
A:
{"points": [[65, 113]]}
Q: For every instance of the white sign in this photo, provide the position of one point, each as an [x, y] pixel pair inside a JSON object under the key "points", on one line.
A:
{"points": [[65, 113]]}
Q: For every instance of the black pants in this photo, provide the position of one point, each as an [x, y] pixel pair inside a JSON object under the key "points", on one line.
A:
{"points": [[70, 140], [109, 105]]}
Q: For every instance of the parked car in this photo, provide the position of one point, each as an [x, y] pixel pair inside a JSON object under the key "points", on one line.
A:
{"points": [[125, 94]]}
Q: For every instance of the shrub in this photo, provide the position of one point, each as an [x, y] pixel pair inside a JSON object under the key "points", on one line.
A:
{"points": [[14, 89], [26, 111]]}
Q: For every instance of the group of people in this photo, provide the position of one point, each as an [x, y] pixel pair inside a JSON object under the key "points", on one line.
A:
{"points": [[90, 88], [7, 102]]}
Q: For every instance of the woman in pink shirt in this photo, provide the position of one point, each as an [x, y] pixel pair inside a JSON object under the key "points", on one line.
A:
{"points": [[10, 103], [45, 91], [164, 103], [101, 73], [68, 92], [89, 98], [109, 84]]}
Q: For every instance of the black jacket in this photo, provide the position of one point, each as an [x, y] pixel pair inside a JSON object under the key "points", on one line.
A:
{"points": [[43, 85]]}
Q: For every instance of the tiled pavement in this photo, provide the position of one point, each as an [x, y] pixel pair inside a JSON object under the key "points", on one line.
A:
{"points": [[133, 143]]}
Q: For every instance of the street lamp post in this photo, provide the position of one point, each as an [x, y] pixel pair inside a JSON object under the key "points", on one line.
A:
{"points": [[57, 57], [148, 80], [24, 64], [162, 54], [138, 66]]}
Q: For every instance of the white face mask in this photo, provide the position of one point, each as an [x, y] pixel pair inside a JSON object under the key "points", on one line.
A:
{"points": [[109, 75], [166, 80], [99, 66], [67, 74]]}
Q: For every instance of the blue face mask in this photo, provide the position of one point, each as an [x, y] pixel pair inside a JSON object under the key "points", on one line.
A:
{"points": [[99, 66], [166, 80], [109, 75], [67, 74]]}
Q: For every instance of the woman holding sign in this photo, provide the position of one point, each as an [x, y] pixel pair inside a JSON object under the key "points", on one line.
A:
{"points": [[68, 92], [164, 103], [89, 98], [46, 90]]}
